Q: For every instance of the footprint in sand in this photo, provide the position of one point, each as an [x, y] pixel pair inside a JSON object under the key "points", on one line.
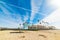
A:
{"points": [[42, 35]]}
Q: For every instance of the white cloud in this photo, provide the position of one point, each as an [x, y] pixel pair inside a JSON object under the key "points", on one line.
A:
{"points": [[54, 18], [4, 10], [5, 5], [55, 3], [35, 7], [26, 17], [16, 6], [10, 21]]}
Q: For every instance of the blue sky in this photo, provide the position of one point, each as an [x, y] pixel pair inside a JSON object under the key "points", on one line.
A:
{"points": [[14, 12]]}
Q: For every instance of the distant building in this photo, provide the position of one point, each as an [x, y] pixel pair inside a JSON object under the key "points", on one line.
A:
{"points": [[40, 27], [37, 27]]}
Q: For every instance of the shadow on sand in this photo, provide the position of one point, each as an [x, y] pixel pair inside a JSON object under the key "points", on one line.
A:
{"points": [[42, 35], [16, 32]]}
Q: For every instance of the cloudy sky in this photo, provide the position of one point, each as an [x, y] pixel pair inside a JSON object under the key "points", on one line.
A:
{"points": [[14, 12]]}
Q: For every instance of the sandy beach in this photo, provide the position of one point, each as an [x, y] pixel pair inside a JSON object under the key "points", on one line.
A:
{"points": [[30, 35]]}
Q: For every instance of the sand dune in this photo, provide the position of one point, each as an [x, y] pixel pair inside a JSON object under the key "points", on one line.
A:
{"points": [[30, 35]]}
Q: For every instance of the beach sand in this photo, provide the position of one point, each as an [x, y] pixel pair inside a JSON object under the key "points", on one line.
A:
{"points": [[30, 35]]}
